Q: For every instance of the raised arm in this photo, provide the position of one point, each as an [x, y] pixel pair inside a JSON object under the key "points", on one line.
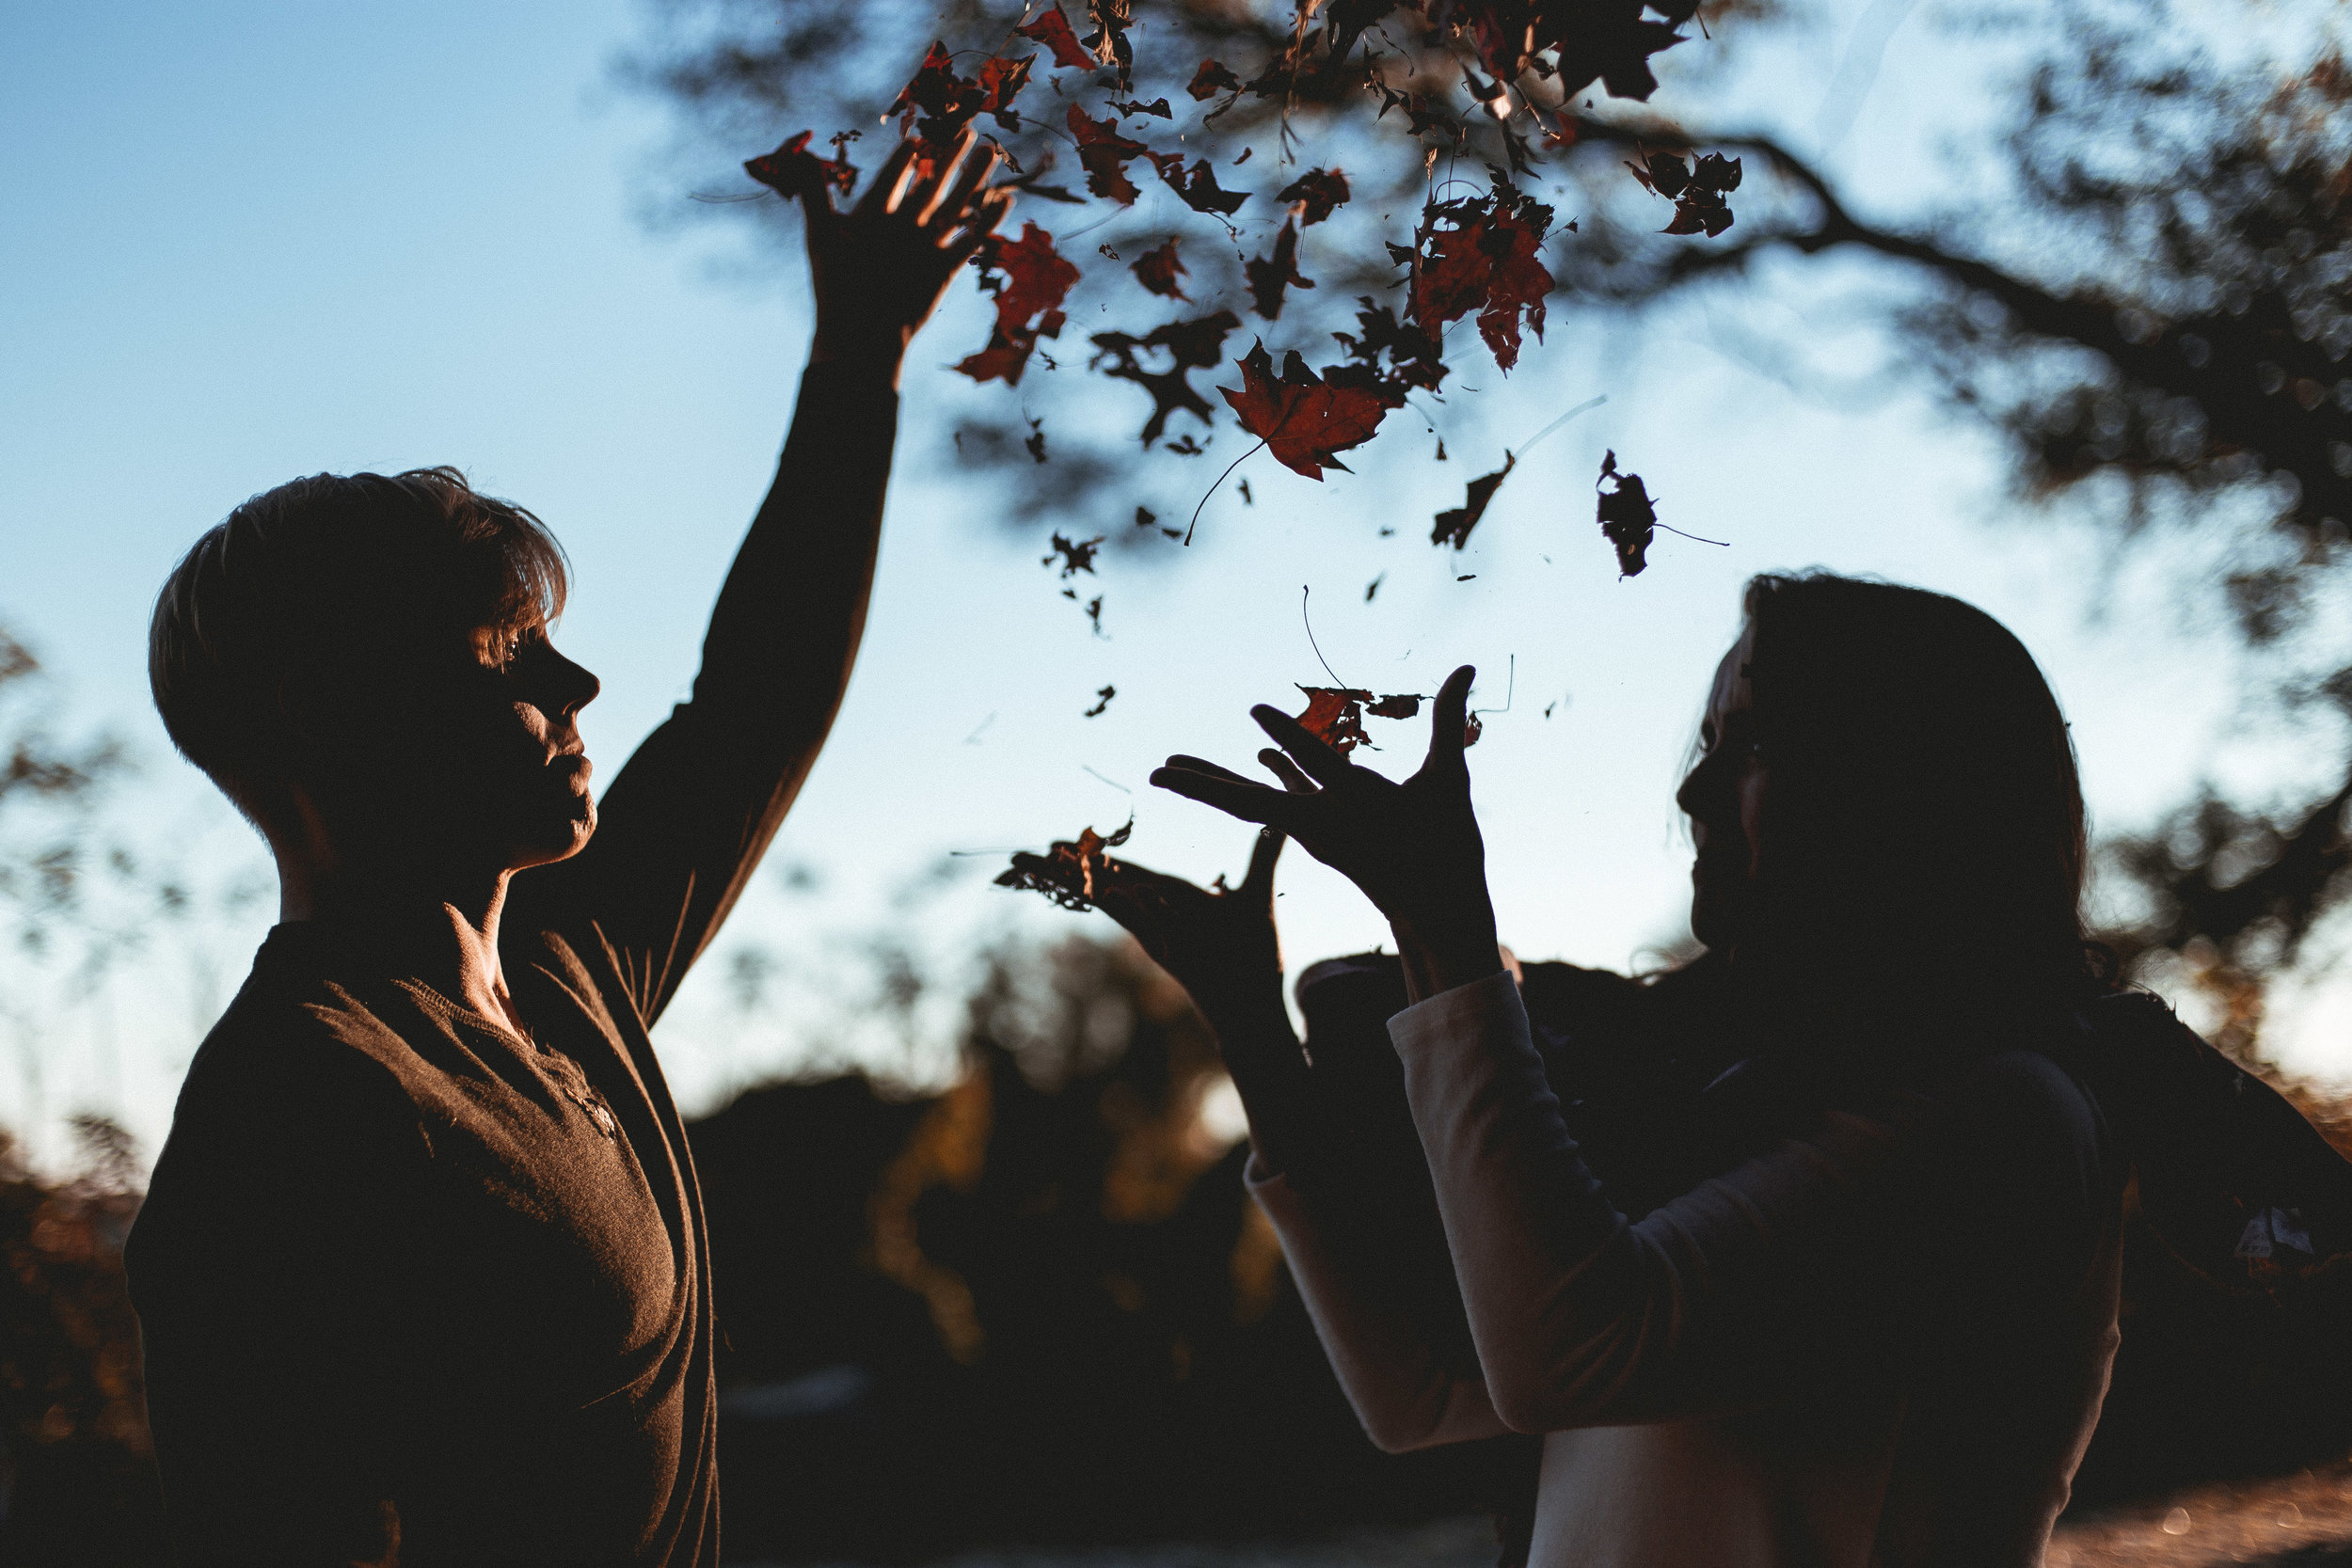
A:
{"points": [[685, 821]]}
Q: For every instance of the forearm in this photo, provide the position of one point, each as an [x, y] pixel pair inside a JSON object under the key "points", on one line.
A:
{"points": [[1269, 1069], [1580, 1317], [785, 634], [1387, 1361]]}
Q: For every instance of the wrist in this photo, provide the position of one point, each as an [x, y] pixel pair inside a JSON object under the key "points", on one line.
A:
{"points": [[1444, 954], [881, 351]]}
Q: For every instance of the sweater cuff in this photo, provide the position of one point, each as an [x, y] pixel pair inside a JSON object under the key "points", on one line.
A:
{"points": [[1463, 1014]]}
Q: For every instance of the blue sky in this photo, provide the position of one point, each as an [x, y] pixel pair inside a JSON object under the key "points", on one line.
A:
{"points": [[249, 241]]}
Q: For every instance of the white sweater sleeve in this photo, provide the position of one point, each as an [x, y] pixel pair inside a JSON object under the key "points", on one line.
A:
{"points": [[1402, 1392], [1580, 1317]]}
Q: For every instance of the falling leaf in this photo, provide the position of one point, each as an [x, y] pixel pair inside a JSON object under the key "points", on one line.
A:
{"points": [[1075, 556], [1374, 586], [1158, 106], [1198, 343], [1454, 525], [1102, 700], [1094, 613], [1030, 280], [1411, 353], [793, 170], [1035, 442], [1335, 715], [1111, 19], [1212, 79], [1103, 152], [1245, 488], [1198, 189], [1066, 876], [1145, 517], [1612, 49], [1269, 276], [1478, 253], [1302, 418], [1697, 191], [1052, 29], [1001, 81], [1157, 271], [1317, 192], [937, 103], [1626, 516], [1185, 445]]}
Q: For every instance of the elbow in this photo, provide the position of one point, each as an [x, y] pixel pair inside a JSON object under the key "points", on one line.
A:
{"points": [[1391, 1436], [1531, 1411], [1535, 1397]]}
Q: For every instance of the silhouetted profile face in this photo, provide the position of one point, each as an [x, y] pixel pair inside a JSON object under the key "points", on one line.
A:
{"points": [[1723, 795], [483, 764]]}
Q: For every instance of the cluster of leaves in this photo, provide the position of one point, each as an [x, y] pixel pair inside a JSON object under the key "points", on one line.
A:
{"points": [[1335, 714], [1067, 876], [1475, 257], [1699, 191]]}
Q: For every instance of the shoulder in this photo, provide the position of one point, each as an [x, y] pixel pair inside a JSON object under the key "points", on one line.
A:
{"points": [[2022, 1143], [301, 1088], [289, 1043]]}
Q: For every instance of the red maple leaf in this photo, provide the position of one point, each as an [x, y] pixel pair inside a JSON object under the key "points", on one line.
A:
{"points": [[1052, 29], [1478, 253], [1212, 79], [1269, 276], [1000, 82], [1103, 152], [1317, 192], [792, 170], [1335, 715], [1197, 188], [1302, 418], [1157, 270], [1030, 280]]}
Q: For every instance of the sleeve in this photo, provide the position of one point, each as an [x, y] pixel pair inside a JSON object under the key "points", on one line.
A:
{"points": [[273, 1270], [1400, 1386], [683, 824], [1582, 1317]]}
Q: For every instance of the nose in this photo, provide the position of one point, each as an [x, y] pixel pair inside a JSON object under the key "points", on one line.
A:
{"points": [[1688, 796], [573, 686]]}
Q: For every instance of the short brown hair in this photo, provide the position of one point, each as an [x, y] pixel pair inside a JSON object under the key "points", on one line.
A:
{"points": [[330, 579]]}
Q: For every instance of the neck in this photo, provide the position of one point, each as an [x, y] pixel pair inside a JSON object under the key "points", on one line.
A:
{"points": [[444, 926]]}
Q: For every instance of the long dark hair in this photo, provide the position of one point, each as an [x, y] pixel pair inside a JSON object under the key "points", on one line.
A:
{"points": [[1924, 828]]}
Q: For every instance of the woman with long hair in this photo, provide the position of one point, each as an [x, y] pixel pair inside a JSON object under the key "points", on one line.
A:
{"points": [[1813, 1258]]}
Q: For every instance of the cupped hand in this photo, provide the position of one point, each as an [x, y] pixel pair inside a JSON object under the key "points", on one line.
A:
{"points": [[1220, 943], [1413, 847], [881, 267]]}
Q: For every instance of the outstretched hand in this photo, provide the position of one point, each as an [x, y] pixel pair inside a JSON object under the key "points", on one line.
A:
{"points": [[1412, 848], [1219, 943], [880, 267]]}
